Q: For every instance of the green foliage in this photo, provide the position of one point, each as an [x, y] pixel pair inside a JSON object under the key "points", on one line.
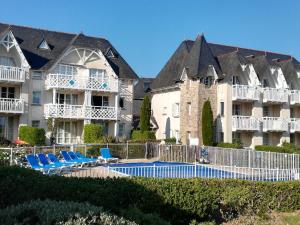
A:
{"points": [[92, 133], [285, 148], [32, 135], [138, 135], [57, 212], [145, 114], [170, 140], [207, 124], [229, 145]]}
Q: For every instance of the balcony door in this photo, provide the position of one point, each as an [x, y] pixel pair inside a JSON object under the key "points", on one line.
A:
{"points": [[66, 133], [6, 127], [67, 99], [7, 92], [100, 101]]}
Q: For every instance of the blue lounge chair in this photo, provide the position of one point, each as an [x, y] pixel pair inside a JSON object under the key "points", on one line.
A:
{"points": [[80, 156], [54, 159], [68, 159], [43, 159], [106, 156], [84, 160], [34, 164]]}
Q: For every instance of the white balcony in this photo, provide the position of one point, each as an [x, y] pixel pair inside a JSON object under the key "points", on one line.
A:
{"points": [[245, 93], [275, 95], [11, 105], [74, 82], [295, 125], [245, 123], [275, 124], [12, 74], [295, 97], [80, 112]]}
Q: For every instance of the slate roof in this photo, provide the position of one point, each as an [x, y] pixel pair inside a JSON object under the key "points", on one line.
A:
{"points": [[139, 90], [197, 55], [29, 39]]}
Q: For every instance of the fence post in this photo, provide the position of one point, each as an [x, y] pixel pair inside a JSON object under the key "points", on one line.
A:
{"points": [[127, 150], [11, 156], [186, 153], [146, 149], [277, 174], [54, 150], [195, 169], [34, 149], [85, 150]]}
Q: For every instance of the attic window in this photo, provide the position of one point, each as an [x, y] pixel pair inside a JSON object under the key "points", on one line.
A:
{"points": [[44, 45], [110, 54], [249, 56], [276, 60]]}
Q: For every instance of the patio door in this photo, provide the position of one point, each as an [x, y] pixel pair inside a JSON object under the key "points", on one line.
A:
{"points": [[66, 133]]}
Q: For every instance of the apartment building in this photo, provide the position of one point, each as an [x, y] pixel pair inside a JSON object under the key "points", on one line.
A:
{"points": [[255, 95], [67, 79]]}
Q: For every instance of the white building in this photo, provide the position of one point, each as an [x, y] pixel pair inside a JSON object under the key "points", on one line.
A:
{"points": [[73, 79], [255, 95]]}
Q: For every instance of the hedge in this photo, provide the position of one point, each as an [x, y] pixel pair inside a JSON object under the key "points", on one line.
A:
{"points": [[32, 135], [178, 201], [207, 124], [229, 145], [138, 135], [285, 148], [92, 133]]}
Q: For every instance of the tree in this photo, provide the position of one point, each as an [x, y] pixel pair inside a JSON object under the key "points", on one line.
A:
{"points": [[207, 124], [145, 114]]}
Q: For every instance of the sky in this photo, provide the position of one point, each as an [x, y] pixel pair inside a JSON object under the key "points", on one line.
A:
{"points": [[147, 32]]}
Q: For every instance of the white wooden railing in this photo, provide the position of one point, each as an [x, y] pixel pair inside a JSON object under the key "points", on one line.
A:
{"points": [[75, 82], [295, 97], [247, 123], [245, 92], [13, 74], [295, 125], [275, 95], [11, 105], [80, 112], [275, 124]]}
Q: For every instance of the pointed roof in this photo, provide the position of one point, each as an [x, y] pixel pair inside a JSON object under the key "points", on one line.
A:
{"points": [[200, 57], [289, 68], [231, 63], [261, 64]]}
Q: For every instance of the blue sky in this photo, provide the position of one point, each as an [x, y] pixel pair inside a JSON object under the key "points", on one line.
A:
{"points": [[147, 32]]}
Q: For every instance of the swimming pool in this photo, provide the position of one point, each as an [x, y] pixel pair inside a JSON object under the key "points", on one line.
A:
{"points": [[160, 169]]}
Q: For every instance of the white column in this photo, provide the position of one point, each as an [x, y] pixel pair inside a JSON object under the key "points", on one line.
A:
{"points": [[116, 128], [86, 104], [54, 96], [117, 103]]}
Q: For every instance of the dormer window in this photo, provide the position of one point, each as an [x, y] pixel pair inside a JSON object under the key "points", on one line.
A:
{"points": [[235, 80], [110, 54], [265, 83], [44, 45]]}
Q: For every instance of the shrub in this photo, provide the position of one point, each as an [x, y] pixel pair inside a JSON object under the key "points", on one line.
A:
{"points": [[170, 140], [270, 148], [207, 124], [57, 212], [138, 135], [92, 133], [229, 145], [32, 135], [145, 114]]}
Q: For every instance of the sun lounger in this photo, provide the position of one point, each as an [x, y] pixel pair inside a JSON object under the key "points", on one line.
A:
{"points": [[34, 164], [106, 156]]}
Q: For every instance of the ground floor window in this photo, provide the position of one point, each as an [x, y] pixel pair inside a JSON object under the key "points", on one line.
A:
{"points": [[6, 127], [35, 123], [266, 140], [121, 131], [66, 132], [104, 125]]}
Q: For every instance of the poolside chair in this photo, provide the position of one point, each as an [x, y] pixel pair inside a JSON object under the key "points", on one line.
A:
{"points": [[80, 156], [43, 159], [106, 156], [34, 164], [68, 159], [84, 160]]}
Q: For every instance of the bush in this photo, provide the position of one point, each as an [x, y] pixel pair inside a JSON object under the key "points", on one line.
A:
{"points": [[57, 212], [92, 133], [178, 201], [170, 140], [229, 145], [138, 135], [207, 124], [32, 135]]}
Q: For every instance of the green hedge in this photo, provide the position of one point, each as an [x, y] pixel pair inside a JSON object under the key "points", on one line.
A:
{"points": [[178, 201], [285, 148], [138, 135], [54, 212], [32, 135], [207, 121], [92, 133], [229, 145]]}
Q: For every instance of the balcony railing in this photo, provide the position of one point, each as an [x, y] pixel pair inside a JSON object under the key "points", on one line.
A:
{"points": [[80, 112], [295, 125], [12, 74], [275, 95], [245, 92], [11, 105], [246, 123], [275, 124], [75, 82], [295, 97]]}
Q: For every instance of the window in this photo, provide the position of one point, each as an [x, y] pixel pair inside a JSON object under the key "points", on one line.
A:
{"points": [[7, 92], [175, 110], [292, 138], [121, 102], [121, 131], [36, 97], [236, 110], [66, 133], [44, 45], [189, 108], [265, 83], [66, 70], [222, 108], [235, 80], [266, 140], [104, 125], [236, 137], [35, 123], [97, 73], [67, 99], [208, 81], [292, 113], [100, 101], [37, 75], [266, 111], [146, 86], [6, 61]]}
